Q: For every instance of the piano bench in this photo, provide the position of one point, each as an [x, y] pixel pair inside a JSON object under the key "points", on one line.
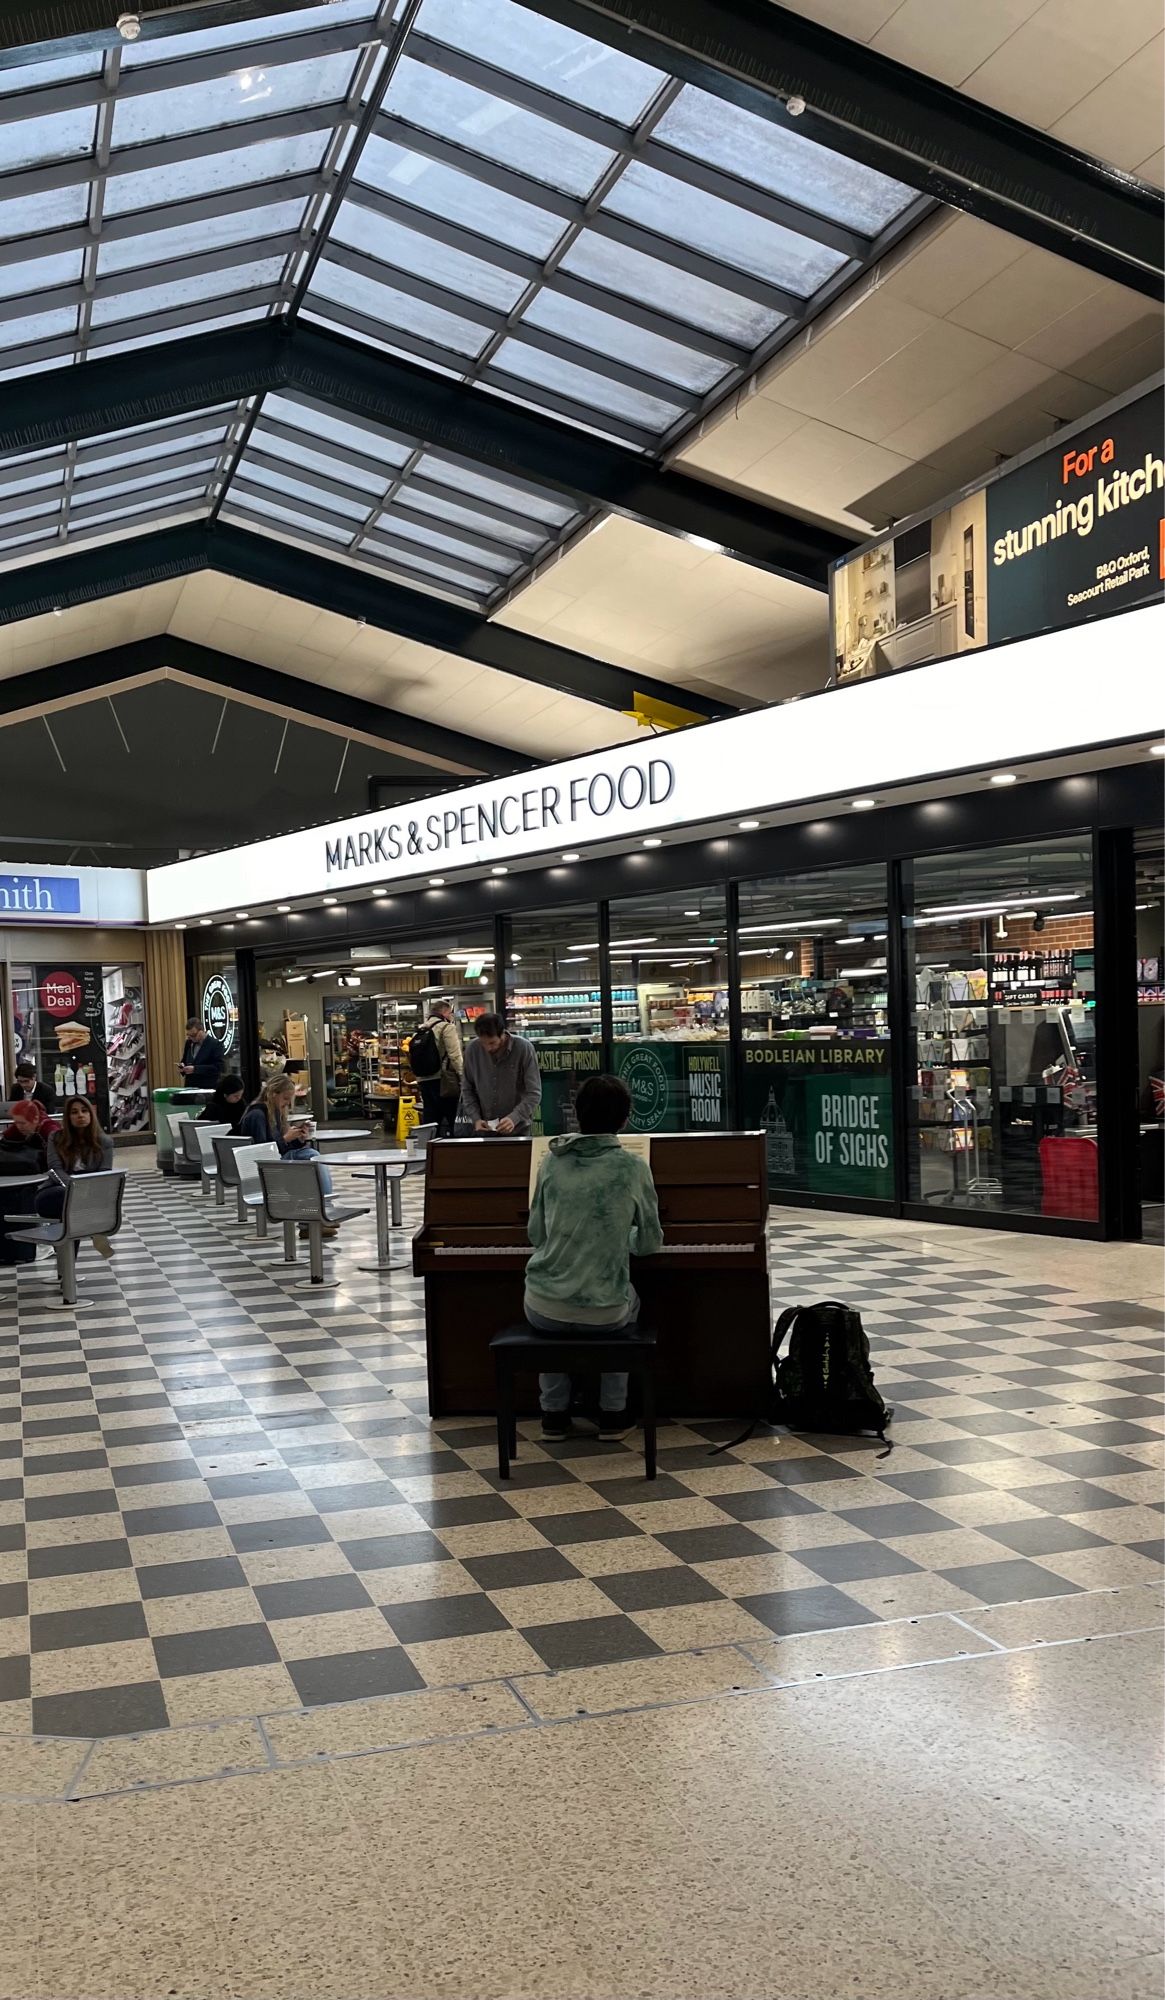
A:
{"points": [[567, 1354]]}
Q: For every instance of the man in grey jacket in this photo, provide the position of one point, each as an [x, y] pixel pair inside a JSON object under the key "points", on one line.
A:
{"points": [[501, 1088]]}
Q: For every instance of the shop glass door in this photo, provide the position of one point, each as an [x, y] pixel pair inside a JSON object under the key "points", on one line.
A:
{"points": [[815, 1051], [1149, 851], [669, 998], [1002, 1087], [553, 999]]}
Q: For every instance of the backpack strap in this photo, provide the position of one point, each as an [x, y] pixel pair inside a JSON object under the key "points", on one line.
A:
{"points": [[786, 1321]]}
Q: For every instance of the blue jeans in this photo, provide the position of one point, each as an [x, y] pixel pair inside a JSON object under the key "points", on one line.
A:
{"points": [[554, 1389], [310, 1153]]}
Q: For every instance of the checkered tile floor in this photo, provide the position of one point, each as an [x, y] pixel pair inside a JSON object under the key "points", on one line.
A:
{"points": [[221, 1495]]}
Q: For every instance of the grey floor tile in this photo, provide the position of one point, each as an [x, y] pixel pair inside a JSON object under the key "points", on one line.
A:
{"points": [[183, 1579], [520, 1569], [465, 1511], [444, 1618], [393, 1551], [1004, 1582], [175, 1520], [897, 1517], [855, 1562], [99, 1625], [766, 1503], [706, 1545], [300, 1531], [354, 1676], [592, 1524], [78, 1558], [215, 1651], [589, 1642], [818, 1608], [113, 1711], [1048, 1536], [312, 1597], [657, 1589]]}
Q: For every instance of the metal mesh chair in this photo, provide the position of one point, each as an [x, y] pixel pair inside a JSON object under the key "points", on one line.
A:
{"points": [[185, 1166], [293, 1194], [224, 1147], [249, 1193], [92, 1208], [199, 1139]]}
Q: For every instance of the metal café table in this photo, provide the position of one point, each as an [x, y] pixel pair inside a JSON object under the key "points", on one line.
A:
{"points": [[382, 1160]]}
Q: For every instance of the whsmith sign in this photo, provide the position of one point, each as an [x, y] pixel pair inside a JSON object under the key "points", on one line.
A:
{"points": [[40, 896], [458, 833], [1035, 699]]}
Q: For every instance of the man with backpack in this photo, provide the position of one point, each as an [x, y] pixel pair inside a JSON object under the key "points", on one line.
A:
{"points": [[438, 1063]]}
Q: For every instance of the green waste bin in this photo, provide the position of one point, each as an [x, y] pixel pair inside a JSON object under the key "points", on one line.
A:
{"points": [[180, 1099]]}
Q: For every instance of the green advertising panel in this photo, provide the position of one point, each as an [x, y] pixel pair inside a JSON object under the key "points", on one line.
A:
{"points": [[675, 1086], [564, 1066], [826, 1111]]}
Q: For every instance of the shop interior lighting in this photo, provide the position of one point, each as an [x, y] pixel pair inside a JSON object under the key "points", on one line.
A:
{"points": [[327, 972], [863, 972], [748, 825], [331, 899], [179, 927], [435, 882], [205, 921], [1157, 749], [987, 906], [379, 893], [283, 909], [1069, 916], [572, 961], [296, 979], [242, 915], [862, 805], [653, 840], [788, 955], [501, 870], [691, 913], [795, 924], [571, 857], [389, 965], [1003, 778]]}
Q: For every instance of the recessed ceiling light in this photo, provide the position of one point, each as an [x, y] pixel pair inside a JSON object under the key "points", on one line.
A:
{"points": [[515, 958], [204, 921], [436, 881], [331, 899], [1157, 749], [499, 871], [570, 857], [1003, 778], [378, 893], [242, 915], [283, 909], [653, 840], [691, 913], [748, 825], [179, 927], [863, 805]]}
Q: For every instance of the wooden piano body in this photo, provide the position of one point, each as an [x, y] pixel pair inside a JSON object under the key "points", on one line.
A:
{"points": [[706, 1292]]}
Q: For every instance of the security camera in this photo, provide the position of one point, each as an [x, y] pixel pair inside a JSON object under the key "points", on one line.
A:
{"points": [[1039, 923], [129, 27], [795, 106]]}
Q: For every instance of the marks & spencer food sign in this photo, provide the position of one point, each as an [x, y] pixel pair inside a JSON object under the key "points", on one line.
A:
{"points": [[597, 800]]}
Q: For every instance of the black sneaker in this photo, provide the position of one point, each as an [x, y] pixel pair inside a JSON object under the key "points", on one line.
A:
{"points": [[613, 1425], [555, 1423]]}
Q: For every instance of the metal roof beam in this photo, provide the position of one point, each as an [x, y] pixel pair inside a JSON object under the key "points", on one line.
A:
{"points": [[70, 683], [135, 562], [758, 55], [377, 389]]}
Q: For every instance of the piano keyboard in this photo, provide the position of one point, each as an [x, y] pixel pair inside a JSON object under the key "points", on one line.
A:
{"points": [[523, 1249]]}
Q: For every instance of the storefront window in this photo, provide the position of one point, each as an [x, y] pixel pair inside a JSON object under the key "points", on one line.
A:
{"points": [[343, 1026], [999, 954], [1150, 902], [552, 998], [815, 1059], [84, 1028], [669, 992]]}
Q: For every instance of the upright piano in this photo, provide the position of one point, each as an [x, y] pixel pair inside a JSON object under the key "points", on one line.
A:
{"points": [[706, 1292]]}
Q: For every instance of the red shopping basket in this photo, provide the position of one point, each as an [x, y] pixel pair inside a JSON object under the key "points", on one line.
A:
{"points": [[1068, 1169]]}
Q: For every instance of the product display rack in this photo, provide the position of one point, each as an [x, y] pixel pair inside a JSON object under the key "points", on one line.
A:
{"points": [[125, 1055], [571, 1011], [953, 1094]]}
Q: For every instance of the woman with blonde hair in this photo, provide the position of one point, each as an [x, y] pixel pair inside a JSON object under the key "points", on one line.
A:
{"points": [[269, 1119]]}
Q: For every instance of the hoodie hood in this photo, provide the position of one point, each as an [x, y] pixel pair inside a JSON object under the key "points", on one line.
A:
{"points": [[584, 1144]]}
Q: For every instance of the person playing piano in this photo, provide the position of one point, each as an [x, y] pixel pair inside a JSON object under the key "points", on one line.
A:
{"points": [[593, 1206]]}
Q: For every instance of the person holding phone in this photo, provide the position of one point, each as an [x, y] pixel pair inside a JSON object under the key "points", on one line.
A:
{"points": [[269, 1119]]}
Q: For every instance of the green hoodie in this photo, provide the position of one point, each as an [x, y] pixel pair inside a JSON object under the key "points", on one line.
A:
{"points": [[594, 1204]]}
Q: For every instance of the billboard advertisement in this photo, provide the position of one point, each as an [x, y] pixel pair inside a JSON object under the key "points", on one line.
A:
{"points": [[1073, 532]]}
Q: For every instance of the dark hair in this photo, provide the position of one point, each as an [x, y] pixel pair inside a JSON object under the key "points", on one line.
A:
{"points": [[603, 1104], [193, 1022], [25, 1069], [227, 1086], [489, 1024], [74, 1145]]}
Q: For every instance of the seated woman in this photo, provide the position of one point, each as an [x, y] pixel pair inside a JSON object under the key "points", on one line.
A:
{"points": [[80, 1147], [22, 1152], [227, 1106], [269, 1119]]}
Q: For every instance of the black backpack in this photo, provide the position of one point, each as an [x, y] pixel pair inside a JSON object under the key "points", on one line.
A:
{"points": [[825, 1382], [425, 1055]]}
